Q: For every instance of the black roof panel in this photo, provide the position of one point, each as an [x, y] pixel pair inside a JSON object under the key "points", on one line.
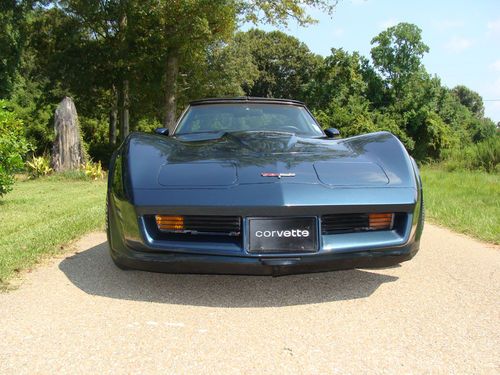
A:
{"points": [[248, 99]]}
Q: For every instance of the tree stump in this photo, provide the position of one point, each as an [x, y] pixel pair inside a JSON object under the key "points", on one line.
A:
{"points": [[67, 152]]}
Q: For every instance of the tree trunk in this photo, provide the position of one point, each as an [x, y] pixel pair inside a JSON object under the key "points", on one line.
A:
{"points": [[124, 112], [67, 152], [124, 92], [171, 73], [113, 118]]}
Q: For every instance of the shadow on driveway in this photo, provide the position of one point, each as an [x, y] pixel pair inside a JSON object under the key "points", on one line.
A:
{"points": [[93, 272]]}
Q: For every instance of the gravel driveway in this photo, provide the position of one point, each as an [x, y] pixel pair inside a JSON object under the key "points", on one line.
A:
{"points": [[438, 313]]}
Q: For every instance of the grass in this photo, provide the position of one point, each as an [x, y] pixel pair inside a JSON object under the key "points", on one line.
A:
{"points": [[40, 215], [464, 201]]}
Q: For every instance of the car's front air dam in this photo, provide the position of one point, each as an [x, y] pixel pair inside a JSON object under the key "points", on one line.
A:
{"points": [[275, 266]]}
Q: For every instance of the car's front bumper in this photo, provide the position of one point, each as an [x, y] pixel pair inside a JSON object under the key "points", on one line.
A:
{"points": [[218, 264]]}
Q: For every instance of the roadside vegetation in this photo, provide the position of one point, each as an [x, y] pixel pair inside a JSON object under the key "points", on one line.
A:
{"points": [[39, 215], [13, 147], [483, 156], [465, 201]]}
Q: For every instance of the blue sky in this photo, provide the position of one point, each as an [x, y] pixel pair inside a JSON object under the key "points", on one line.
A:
{"points": [[463, 37]]}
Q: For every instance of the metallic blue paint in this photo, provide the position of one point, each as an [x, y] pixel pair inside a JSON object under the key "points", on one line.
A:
{"points": [[220, 174]]}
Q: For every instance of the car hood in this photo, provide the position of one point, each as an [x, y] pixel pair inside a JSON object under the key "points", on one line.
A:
{"points": [[224, 160]]}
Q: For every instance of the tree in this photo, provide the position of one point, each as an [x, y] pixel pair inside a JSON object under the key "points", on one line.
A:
{"points": [[176, 32], [397, 54], [100, 42], [411, 95], [281, 12], [339, 78], [470, 99], [13, 146], [481, 129], [376, 91], [185, 29], [222, 71], [157, 40], [188, 27], [285, 65], [11, 40], [60, 58]]}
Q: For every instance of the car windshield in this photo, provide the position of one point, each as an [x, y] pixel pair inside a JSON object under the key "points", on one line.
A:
{"points": [[238, 117]]}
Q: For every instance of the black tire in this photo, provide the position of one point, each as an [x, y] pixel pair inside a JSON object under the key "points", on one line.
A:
{"points": [[422, 218]]}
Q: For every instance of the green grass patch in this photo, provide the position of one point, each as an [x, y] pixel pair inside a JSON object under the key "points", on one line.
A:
{"points": [[465, 201], [40, 215]]}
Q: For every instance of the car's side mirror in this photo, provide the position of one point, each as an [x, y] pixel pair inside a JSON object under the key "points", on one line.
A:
{"points": [[332, 133], [162, 131]]}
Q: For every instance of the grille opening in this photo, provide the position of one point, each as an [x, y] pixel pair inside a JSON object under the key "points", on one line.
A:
{"points": [[361, 222], [194, 228]]}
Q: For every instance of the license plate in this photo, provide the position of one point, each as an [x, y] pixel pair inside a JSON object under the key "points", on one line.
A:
{"points": [[283, 235]]}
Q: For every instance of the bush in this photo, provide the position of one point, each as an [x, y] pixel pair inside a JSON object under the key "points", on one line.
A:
{"points": [[432, 136], [94, 129], [13, 147], [483, 156], [38, 166], [101, 152], [147, 125], [355, 118], [93, 170]]}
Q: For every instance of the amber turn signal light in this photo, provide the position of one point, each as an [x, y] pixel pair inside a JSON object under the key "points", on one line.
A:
{"points": [[168, 222], [381, 221]]}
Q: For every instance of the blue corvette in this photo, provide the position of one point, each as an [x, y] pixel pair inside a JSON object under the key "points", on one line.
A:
{"points": [[254, 186]]}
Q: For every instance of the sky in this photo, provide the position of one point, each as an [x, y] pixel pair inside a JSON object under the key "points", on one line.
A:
{"points": [[463, 37]]}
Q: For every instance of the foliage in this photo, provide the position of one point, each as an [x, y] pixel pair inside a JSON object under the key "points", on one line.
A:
{"points": [[355, 118], [101, 152], [484, 156], [432, 136], [465, 201], [145, 49], [280, 12], [470, 99], [53, 210], [148, 125], [480, 129], [391, 123], [397, 54], [350, 119], [170, 52], [222, 71], [284, 64], [338, 79], [12, 38], [38, 166], [93, 170], [13, 147]]}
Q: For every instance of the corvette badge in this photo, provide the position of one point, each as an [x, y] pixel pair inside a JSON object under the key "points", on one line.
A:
{"points": [[279, 175]]}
